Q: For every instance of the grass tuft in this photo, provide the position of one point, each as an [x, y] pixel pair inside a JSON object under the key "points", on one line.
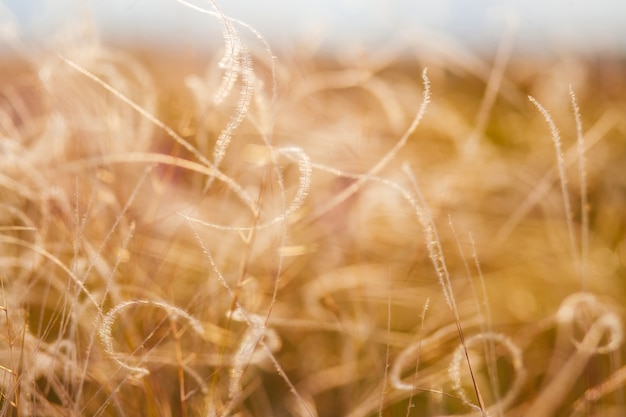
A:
{"points": [[242, 235]]}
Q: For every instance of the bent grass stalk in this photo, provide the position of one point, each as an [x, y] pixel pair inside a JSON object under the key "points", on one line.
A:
{"points": [[229, 341]]}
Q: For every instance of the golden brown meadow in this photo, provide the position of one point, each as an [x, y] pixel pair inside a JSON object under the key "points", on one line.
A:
{"points": [[245, 235]]}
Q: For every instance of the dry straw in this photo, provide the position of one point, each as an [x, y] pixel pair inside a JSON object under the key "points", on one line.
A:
{"points": [[275, 241]]}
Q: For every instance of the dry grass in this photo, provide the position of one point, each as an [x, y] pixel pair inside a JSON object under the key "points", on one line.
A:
{"points": [[308, 236]]}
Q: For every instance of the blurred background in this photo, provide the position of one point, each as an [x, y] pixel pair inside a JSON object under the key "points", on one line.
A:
{"points": [[537, 25]]}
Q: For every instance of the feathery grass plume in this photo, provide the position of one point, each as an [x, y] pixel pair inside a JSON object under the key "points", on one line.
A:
{"points": [[560, 162], [304, 184], [435, 253], [516, 358], [387, 158], [109, 287], [244, 356], [309, 279], [252, 338], [237, 63], [111, 316], [484, 317], [584, 209]]}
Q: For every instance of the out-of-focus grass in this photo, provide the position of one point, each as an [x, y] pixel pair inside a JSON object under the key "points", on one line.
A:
{"points": [[137, 281]]}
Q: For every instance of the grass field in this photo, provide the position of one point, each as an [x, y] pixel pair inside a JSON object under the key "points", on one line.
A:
{"points": [[244, 234]]}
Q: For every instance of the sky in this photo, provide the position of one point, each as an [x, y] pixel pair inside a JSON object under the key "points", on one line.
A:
{"points": [[536, 24]]}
